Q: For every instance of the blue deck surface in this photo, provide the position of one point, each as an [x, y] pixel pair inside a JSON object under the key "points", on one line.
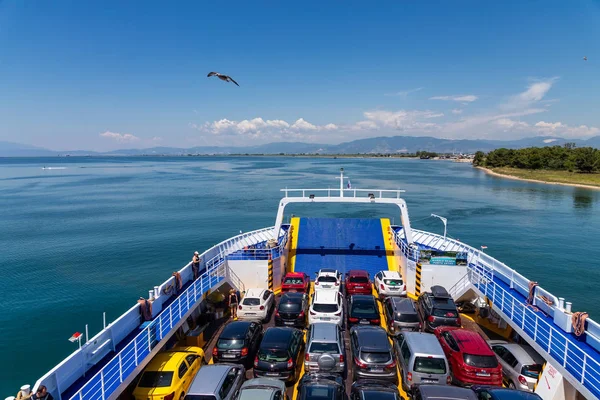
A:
{"points": [[343, 244], [576, 347]]}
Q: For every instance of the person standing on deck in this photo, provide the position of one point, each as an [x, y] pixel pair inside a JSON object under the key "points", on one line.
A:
{"points": [[233, 303], [196, 265]]}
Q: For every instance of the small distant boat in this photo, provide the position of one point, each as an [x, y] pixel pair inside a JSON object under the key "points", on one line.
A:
{"points": [[54, 167]]}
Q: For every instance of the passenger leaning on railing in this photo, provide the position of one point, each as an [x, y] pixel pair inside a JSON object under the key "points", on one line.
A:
{"points": [[196, 265], [41, 394]]}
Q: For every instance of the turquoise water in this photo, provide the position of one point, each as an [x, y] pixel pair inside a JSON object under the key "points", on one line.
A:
{"points": [[93, 237]]}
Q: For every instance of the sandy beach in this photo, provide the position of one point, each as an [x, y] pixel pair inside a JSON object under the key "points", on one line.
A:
{"points": [[489, 171]]}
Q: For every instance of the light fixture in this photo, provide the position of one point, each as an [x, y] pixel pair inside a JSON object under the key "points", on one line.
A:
{"points": [[311, 196]]}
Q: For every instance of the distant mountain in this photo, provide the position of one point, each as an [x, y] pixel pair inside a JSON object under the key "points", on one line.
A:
{"points": [[384, 144]]}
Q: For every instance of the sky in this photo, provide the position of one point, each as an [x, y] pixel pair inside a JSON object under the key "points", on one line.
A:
{"points": [[105, 75]]}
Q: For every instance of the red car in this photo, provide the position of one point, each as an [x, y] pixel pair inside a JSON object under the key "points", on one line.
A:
{"points": [[295, 282], [358, 282], [472, 361]]}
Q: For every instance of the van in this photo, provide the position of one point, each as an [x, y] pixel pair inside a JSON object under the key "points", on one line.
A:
{"points": [[421, 359]]}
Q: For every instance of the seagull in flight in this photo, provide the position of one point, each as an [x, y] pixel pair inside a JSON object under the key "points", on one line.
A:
{"points": [[584, 58], [222, 77]]}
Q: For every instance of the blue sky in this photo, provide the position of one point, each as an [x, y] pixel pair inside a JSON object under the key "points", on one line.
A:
{"points": [[102, 75]]}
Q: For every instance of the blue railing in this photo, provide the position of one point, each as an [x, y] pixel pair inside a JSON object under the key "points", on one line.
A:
{"points": [[566, 352], [102, 385]]}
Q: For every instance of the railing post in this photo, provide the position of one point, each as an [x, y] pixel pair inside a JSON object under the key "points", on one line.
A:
{"points": [[550, 341], [120, 367], [160, 328], [195, 291], [524, 316], [535, 330], [149, 341], [102, 382], [566, 352], [171, 316], [135, 352], [583, 369], [512, 310]]}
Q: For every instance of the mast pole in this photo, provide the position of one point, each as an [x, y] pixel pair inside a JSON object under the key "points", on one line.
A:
{"points": [[341, 182]]}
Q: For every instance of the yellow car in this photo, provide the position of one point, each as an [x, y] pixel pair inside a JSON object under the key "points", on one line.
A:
{"points": [[169, 375]]}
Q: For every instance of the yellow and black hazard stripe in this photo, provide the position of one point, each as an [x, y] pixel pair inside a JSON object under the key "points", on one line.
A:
{"points": [[418, 281], [270, 265]]}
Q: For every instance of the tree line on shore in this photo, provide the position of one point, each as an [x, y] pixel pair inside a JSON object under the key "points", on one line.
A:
{"points": [[565, 158]]}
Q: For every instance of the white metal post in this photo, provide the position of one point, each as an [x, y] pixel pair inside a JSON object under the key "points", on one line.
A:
{"points": [[104, 320], [149, 341], [583, 369], [120, 367], [444, 221], [102, 383], [341, 182], [550, 341], [86, 333]]}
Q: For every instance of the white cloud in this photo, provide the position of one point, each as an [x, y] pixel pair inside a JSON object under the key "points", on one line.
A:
{"points": [[457, 111], [534, 93], [507, 124], [564, 130], [549, 140], [302, 125], [404, 93], [401, 120], [469, 98], [120, 137]]}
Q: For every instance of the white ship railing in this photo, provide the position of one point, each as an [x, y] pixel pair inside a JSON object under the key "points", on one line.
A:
{"points": [[377, 193], [411, 253]]}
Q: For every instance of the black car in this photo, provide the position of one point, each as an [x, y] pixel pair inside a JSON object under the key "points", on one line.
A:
{"points": [[292, 310], [498, 393], [238, 342], [372, 355], [372, 389], [362, 309], [320, 386], [436, 308], [280, 355]]}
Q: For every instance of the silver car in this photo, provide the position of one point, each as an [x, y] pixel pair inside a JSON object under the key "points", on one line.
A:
{"points": [[401, 315], [262, 389], [324, 339], [521, 365], [218, 382]]}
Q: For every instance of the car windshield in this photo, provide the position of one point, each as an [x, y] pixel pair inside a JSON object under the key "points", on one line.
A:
{"points": [[151, 379], [327, 279], [320, 347], [200, 397], [406, 317], [428, 365], [293, 281], [441, 312], [230, 344], [273, 355], [531, 371], [378, 395], [290, 307], [376, 357], [359, 279], [363, 308], [318, 392], [325, 308], [251, 301], [480, 361], [393, 282]]}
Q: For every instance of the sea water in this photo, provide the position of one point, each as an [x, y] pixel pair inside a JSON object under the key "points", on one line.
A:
{"points": [[96, 235]]}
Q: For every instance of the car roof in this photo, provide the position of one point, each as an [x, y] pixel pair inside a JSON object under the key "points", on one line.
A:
{"points": [[363, 297], [254, 292], [325, 296], [446, 392], [277, 338], [261, 386], [391, 274], [499, 393], [358, 272], [471, 342], [291, 297], [375, 384], [295, 274], [424, 343], [209, 378], [324, 332], [236, 329], [372, 337], [439, 292], [402, 304], [167, 360], [328, 270], [524, 354]]}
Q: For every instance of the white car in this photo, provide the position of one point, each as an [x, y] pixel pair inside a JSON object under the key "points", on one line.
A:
{"points": [[389, 283], [257, 304], [327, 306], [328, 279]]}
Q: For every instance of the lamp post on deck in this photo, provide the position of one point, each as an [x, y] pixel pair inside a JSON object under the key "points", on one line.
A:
{"points": [[444, 221]]}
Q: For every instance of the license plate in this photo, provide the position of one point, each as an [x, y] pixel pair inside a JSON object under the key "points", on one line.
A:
{"points": [[326, 286], [288, 323], [272, 374], [429, 381], [364, 322], [377, 370], [358, 287], [393, 288], [325, 319], [482, 374], [250, 313], [228, 355]]}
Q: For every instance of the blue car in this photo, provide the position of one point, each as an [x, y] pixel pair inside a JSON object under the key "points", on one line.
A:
{"points": [[497, 393]]}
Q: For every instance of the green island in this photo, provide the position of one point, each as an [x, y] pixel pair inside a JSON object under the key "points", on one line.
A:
{"points": [[554, 164]]}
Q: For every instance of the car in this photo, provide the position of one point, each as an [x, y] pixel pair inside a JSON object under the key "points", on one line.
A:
{"points": [[421, 360], [436, 308], [358, 282], [280, 354], [521, 364], [262, 389], [401, 315], [372, 389], [238, 343], [363, 310], [496, 393], [325, 339], [256, 304], [372, 354], [389, 283], [327, 306], [328, 279], [292, 310], [321, 386], [295, 282], [217, 382], [437, 392], [169, 374], [471, 359]]}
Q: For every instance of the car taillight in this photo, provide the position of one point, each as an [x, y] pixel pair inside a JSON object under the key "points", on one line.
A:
{"points": [[392, 327], [262, 308], [382, 287], [359, 363], [215, 351], [277, 313], [404, 287], [449, 380], [431, 318], [317, 283], [290, 364], [306, 357], [337, 314], [256, 362], [312, 312], [240, 307], [522, 380], [391, 365], [301, 315], [337, 284], [169, 396], [244, 351], [409, 376], [341, 358], [352, 319], [375, 321], [458, 321]]}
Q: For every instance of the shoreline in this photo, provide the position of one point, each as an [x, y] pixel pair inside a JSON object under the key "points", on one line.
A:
{"points": [[579, 185]]}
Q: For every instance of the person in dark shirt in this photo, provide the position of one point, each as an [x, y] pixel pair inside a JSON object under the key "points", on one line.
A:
{"points": [[196, 265], [42, 394]]}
